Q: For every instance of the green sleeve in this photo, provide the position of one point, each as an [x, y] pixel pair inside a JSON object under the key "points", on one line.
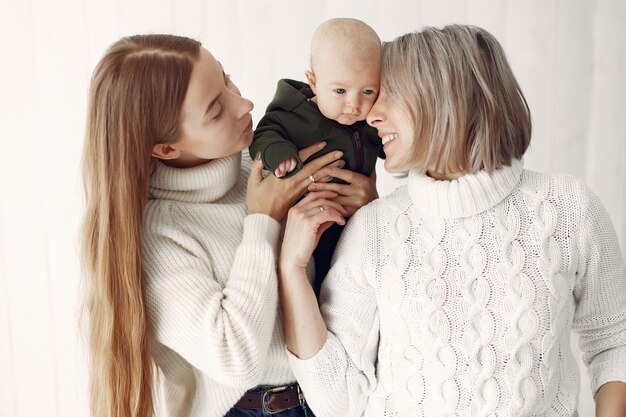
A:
{"points": [[272, 141]]}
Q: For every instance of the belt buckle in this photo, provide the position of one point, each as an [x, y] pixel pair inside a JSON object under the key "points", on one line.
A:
{"points": [[265, 398]]}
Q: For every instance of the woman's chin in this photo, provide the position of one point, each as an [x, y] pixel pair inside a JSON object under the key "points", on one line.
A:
{"points": [[392, 168]]}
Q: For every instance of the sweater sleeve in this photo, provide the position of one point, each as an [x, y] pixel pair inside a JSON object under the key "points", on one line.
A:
{"points": [[223, 331], [272, 140], [600, 292], [338, 380]]}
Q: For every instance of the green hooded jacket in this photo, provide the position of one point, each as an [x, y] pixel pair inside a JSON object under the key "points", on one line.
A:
{"points": [[292, 122]]}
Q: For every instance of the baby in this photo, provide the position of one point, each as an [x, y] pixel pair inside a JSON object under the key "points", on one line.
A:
{"points": [[343, 85]]}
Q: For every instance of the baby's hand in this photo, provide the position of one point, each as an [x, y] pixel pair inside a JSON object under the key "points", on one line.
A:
{"points": [[285, 167]]}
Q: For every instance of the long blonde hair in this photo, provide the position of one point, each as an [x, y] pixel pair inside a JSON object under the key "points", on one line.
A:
{"points": [[460, 92], [136, 96]]}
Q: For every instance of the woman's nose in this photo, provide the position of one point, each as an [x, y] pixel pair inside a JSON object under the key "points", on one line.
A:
{"points": [[245, 106], [374, 116], [249, 104]]}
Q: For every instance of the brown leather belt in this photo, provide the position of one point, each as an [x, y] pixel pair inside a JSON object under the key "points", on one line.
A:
{"points": [[272, 400]]}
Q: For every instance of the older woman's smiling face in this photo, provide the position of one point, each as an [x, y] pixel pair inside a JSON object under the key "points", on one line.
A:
{"points": [[396, 131]]}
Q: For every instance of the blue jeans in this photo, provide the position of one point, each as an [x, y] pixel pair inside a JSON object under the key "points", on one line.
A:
{"points": [[300, 411]]}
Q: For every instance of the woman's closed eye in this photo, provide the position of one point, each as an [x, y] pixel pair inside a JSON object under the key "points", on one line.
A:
{"points": [[219, 113], [227, 83]]}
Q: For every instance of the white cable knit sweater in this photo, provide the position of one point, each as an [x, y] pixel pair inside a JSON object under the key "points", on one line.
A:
{"points": [[457, 298], [211, 289]]}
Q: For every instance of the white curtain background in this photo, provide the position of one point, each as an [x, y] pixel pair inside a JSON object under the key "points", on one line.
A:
{"points": [[568, 55]]}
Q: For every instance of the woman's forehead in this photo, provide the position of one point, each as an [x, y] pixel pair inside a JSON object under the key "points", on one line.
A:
{"points": [[206, 81]]}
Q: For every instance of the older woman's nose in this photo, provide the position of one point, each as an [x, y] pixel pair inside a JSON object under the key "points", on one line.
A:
{"points": [[375, 116]]}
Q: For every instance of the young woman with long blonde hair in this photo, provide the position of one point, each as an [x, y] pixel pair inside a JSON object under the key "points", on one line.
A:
{"points": [[180, 240], [456, 295]]}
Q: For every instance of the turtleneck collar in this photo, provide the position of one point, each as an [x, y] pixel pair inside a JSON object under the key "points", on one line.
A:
{"points": [[466, 196], [202, 184]]}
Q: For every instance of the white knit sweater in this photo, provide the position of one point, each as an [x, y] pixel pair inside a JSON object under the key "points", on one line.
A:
{"points": [[457, 298], [211, 289]]}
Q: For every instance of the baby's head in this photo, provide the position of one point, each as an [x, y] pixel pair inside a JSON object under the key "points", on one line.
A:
{"points": [[345, 69]]}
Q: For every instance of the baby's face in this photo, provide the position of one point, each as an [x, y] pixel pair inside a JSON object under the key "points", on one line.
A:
{"points": [[346, 88]]}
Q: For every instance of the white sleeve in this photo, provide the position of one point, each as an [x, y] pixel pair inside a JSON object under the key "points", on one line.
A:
{"points": [[338, 380], [600, 317], [225, 332]]}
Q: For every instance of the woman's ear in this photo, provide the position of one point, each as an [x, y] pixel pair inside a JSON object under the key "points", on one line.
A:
{"points": [[310, 77], [165, 151]]}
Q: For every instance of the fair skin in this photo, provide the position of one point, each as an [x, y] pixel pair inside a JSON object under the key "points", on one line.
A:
{"points": [[397, 133], [345, 90], [216, 122], [213, 109], [359, 191], [611, 399], [303, 326], [305, 329], [345, 87]]}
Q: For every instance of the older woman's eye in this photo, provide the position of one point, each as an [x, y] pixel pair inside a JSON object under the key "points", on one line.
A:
{"points": [[340, 90]]}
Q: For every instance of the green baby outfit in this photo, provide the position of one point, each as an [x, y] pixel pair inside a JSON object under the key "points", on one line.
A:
{"points": [[293, 121]]}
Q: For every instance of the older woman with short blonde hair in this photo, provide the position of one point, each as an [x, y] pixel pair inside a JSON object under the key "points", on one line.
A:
{"points": [[457, 293]]}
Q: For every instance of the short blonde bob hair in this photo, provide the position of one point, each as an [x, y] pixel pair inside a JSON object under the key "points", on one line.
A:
{"points": [[462, 97]]}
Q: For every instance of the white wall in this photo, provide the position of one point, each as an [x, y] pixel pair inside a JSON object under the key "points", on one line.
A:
{"points": [[569, 57]]}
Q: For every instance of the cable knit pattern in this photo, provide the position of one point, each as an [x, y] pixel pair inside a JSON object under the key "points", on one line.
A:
{"points": [[211, 289], [480, 329], [457, 298]]}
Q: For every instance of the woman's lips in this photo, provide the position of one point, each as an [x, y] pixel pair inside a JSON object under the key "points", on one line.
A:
{"points": [[388, 137], [249, 127]]}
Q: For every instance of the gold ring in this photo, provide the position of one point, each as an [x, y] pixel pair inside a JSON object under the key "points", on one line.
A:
{"points": [[312, 178]]}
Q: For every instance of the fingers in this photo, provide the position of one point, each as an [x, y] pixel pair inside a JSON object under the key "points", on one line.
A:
{"points": [[324, 227], [352, 178], [256, 170], [347, 175], [319, 217], [316, 164], [352, 196], [345, 201], [325, 174], [286, 166], [311, 197], [324, 199], [321, 205], [312, 173], [340, 189], [305, 153]]}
